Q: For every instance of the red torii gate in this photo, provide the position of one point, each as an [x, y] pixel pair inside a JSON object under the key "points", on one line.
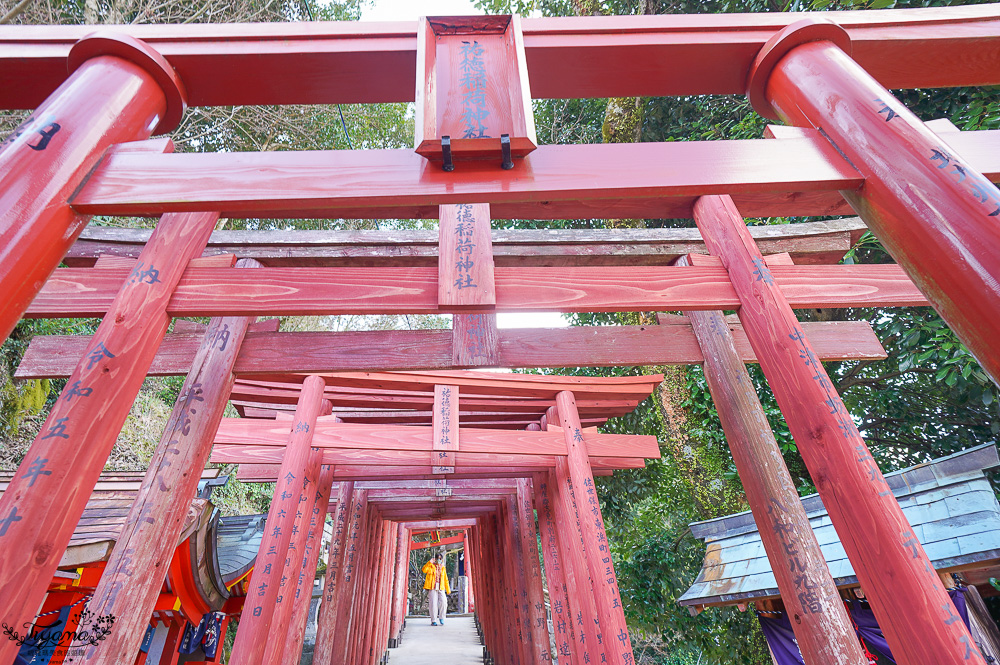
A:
{"points": [[441, 471], [858, 148]]}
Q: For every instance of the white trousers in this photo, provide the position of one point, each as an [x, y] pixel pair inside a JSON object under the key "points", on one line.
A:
{"points": [[438, 604]]}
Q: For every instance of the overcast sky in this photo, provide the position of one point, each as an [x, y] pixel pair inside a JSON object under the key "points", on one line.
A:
{"points": [[411, 10]]}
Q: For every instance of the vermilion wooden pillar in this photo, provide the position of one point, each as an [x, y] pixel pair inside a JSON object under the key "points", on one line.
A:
{"points": [[562, 614], [933, 212], [156, 518], [354, 549], [314, 521], [817, 615], [587, 628], [617, 644], [492, 637], [906, 595], [362, 630], [120, 90], [259, 606], [518, 587], [353, 605], [533, 572], [326, 622], [383, 606], [50, 489], [170, 654], [503, 612], [363, 623], [400, 580]]}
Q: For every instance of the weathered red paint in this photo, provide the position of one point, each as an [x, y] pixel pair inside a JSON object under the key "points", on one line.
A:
{"points": [[259, 607], [48, 493], [121, 90], [822, 628], [887, 557], [934, 212], [613, 56], [149, 537]]}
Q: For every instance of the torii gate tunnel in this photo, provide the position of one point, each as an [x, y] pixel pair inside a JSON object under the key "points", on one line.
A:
{"points": [[925, 189]]}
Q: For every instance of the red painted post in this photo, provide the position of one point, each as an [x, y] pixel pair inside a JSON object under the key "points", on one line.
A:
{"points": [[309, 558], [45, 498], [362, 623], [470, 605], [518, 588], [617, 644], [934, 213], [305, 490], [822, 628], [533, 572], [909, 602], [120, 90], [353, 606], [574, 555], [383, 605], [572, 548], [502, 579], [399, 584], [156, 518], [491, 575], [362, 631], [562, 614], [326, 622], [259, 607], [170, 653], [355, 547]]}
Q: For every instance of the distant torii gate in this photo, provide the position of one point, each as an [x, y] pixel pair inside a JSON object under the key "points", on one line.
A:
{"points": [[924, 189], [442, 471]]}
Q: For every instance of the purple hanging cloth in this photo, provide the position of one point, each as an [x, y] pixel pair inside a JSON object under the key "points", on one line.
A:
{"points": [[870, 632], [778, 631]]}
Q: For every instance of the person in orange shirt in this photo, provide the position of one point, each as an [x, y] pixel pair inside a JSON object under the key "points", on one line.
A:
{"points": [[436, 583]]}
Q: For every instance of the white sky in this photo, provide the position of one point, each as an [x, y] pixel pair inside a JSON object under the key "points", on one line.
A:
{"points": [[531, 320], [411, 10]]}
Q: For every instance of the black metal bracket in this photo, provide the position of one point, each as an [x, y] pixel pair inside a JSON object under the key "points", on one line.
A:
{"points": [[448, 165], [508, 162]]}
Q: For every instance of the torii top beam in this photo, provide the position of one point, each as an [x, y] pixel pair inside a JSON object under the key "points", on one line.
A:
{"points": [[566, 57]]}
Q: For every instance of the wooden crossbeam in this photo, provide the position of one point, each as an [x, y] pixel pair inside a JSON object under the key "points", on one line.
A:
{"points": [[522, 395], [438, 484], [84, 292], [414, 545], [766, 177], [418, 495], [641, 180], [808, 243], [267, 473], [579, 346], [614, 56], [419, 526], [344, 436], [239, 453], [501, 420], [500, 388]]}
